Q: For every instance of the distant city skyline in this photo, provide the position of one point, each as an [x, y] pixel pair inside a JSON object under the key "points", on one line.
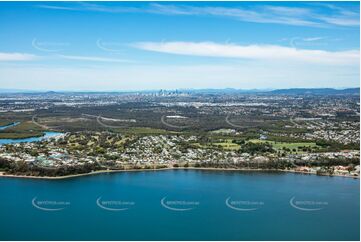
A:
{"points": [[104, 46]]}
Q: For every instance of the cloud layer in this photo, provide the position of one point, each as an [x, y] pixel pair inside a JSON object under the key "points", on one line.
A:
{"points": [[297, 16], [253, 52], [92, 58], [17, 57], [20, 57]]}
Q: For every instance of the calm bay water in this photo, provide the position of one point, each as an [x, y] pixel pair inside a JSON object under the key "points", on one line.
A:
{"points": [[31, 139], [181, 205]]}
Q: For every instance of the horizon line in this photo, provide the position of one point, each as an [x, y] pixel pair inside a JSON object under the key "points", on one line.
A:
{"points": [[15, 90]]}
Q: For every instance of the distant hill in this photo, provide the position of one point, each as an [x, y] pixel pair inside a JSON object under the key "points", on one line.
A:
{"points": [[291, 91], [316, 91], [224, 91]]}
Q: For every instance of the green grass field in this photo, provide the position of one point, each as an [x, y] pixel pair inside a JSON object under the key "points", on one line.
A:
{"points": [[224, 144], [227, 145]]}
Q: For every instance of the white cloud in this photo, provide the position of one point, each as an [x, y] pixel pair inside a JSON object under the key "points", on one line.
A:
{"points": [[297, 16], [289, 10], [342, 21], [310, 39], [14, 57], [252, 52], [56, 7], [17, 57], [266, 14], [92, 58]]}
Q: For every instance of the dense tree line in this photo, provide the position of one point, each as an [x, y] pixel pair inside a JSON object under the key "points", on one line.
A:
{"points": [[256, 148], [23, 168], [335, 146]]}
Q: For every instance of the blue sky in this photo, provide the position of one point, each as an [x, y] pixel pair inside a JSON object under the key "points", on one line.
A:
{"points": [[169, 45]]}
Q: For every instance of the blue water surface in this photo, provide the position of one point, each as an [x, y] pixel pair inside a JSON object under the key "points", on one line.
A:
{"points": [[31, 139], [335, 200]]}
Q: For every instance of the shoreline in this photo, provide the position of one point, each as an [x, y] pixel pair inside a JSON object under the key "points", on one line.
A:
{"points": [[163, 169], [41, 135]]}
